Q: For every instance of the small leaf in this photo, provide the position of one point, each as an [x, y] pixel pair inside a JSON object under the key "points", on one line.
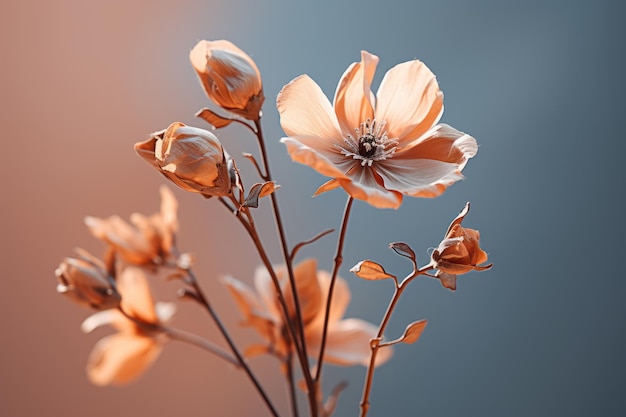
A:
{"points": [[403, 249], [259, 190], [213, 118], [370, 270], [413, 331]]}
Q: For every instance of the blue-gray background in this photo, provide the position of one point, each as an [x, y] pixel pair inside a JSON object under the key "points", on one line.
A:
{"points": [[538, 83]]}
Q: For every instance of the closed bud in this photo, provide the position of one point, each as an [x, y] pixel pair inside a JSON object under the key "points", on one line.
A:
{"points": [[190, 157], [229, 76], [86, 283]]}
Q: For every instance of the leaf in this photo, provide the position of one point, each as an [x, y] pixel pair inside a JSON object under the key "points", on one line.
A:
{"points": [[413, 332], [403, 249], [370, 270], [259, 190], [213, 118]]}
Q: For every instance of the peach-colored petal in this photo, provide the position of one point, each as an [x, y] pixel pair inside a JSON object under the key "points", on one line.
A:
{"points": [[120, 358], [327, 186], [267, 291], [137, 300], [364, 186], [442, 143], [418, 177], [111, 317], [327, 161], [409, 100], [341, 300], [348, 343], [308, 288], [305, 111], [354, 101]]}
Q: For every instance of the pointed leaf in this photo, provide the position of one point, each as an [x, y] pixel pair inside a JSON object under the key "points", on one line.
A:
{"points": [[259, 190], [413, 332], [370, 270], [403, 249], [213, 118]]}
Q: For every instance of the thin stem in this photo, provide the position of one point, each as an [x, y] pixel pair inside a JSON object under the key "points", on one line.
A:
{"points": [[194, 339], [333, 278], [204, 301], [301, 345], [375, 343], [292, 385]]}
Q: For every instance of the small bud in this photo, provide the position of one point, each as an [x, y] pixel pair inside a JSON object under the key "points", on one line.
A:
{"points": [[86, 283], [229, 76], [190, 157], [459, 252]]}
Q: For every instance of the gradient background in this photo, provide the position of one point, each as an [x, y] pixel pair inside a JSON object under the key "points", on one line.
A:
{"points": [[539, 84]]}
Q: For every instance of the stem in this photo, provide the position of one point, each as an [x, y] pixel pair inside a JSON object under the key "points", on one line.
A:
{"points": [[299, 340], [194, 339], [292, 385], [375, 343], [337, 264], [204, 301]]}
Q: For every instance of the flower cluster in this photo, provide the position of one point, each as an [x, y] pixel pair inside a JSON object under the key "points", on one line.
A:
{"points": [[378, 148]]}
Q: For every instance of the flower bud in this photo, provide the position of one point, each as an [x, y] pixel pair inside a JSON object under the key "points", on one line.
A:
{"points": [[190, 157], [459, 252], [229, 76], [87, 283]]}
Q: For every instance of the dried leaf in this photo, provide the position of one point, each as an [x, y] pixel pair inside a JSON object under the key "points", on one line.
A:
{"points": [[403, 249], [370, 270], [259, 190], [413, 332], [213, 118]]}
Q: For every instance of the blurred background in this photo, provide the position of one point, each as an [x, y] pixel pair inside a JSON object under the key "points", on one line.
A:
{"points": [[539, 84]]}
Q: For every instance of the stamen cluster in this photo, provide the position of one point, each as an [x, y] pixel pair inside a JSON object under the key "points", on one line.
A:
{"points": [[370, 143]]}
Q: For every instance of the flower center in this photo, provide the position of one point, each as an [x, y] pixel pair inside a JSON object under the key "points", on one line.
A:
{"points": [[369, 143]]}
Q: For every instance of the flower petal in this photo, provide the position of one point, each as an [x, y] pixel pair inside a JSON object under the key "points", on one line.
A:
{"points": [[314, 152], [308, 288], [341, 299], [120, 358], [305, 111], [354, 101], [348, 343], [418, 177], [409, 100], [364, 186], [442, 143], [137, 300]]}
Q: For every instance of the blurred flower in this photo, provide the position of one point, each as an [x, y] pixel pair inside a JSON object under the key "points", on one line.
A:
{"points": [[348, 340], [459, 252], [229, 76], [123, 356], [146, 239], [190, 157], [86, 281], [376, 147]]}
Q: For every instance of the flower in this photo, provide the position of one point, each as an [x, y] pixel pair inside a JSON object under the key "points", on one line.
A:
{"points": [[459, 252], [378, 148], [147, 239], [348, 340], [229, 76], [86, 281], [190, 157], [123, 356]]}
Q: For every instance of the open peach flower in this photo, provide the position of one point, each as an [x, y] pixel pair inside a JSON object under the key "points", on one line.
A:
{"points": [[378, 148], [459, 252], [123, 356], [348, 340], [145, 239]]}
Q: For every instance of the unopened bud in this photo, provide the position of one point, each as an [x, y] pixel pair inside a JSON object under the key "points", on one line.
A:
{"points": [[87, 284], [229, 76]]}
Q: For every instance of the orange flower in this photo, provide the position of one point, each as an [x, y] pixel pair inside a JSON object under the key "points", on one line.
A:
{"points": [[348, 340], [229, 76], [147, 239], [377, 148], [86, 281], [190, 157], [459, 252], [122, 357]]}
